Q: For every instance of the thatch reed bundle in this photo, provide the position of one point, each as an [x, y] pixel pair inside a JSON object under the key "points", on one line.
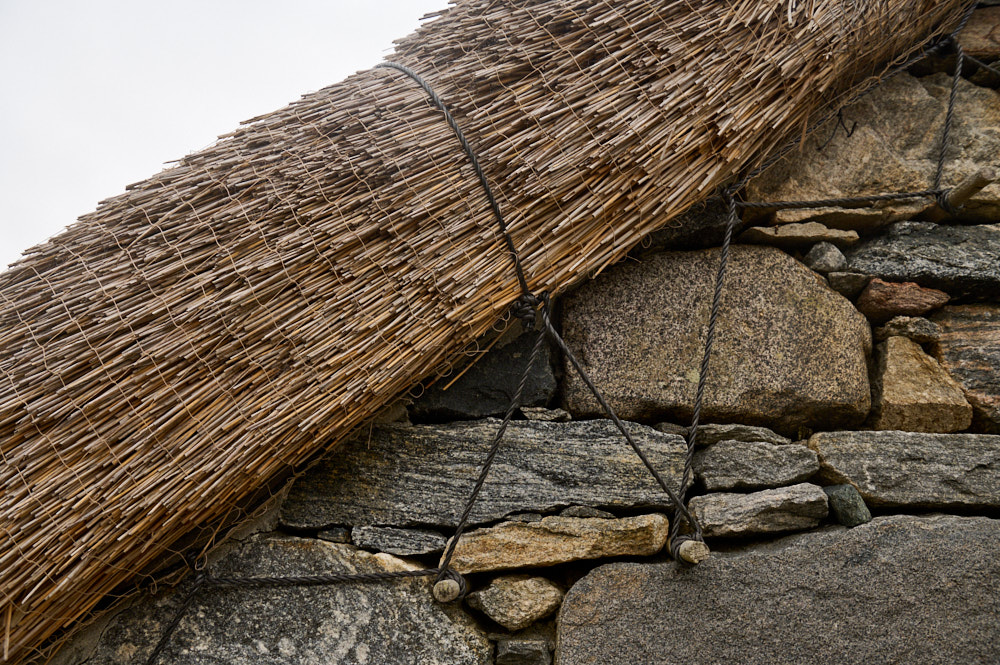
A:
{"points": [[214, 326]]}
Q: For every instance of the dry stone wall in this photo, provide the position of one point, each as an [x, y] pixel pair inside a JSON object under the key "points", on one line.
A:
{"points": [[856, 373]]}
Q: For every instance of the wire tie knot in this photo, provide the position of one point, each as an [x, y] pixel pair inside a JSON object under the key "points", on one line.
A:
{"points": [[526, 309], [449, 586], [943, 199], [688, 549]]}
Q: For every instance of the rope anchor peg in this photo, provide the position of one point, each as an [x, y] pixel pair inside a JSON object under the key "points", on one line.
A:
{"points": [[691, 551], [449, 586]]}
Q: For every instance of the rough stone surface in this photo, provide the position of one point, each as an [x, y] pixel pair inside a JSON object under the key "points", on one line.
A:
{"points": [[882, 300], [848, 284], [902, 589], [523, 652], [794, 508], [847, 506], [914, 470], [894, 149], [789, 352], [555, 540], [919, 329], [969, 349], [825, 257], [738, 465], [963, 261], [713, 433], [797, 236], [911, 392], [396, 475], [517, 601], [487, 388], [401, 542], [395, 622]]}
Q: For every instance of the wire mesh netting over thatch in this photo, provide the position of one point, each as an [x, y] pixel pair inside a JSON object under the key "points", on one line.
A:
{"points": [[196, 338]]}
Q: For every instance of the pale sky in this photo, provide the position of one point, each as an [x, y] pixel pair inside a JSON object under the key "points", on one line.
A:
{"points": [[98, 94]]}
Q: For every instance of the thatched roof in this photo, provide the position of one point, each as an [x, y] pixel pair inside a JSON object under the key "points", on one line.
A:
{"points": [[213, 327]]}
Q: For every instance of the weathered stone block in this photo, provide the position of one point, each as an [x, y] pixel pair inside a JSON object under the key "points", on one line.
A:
{"points": [[902, 589], [387, 622], [847, 506], [918, 329], [400, 542], [825, 257], [397, 475], [517, 601], [789, 352], [710, 433], [963, 261], [914, 470], [794, 508], [882, 300], [739, 465], [898, 136]]}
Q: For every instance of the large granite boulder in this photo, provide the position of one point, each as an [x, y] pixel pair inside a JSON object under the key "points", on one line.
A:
{"points": [[789, 351], [894, 148], [963, 261], [902, 589], [391, 623], [914, 470], [968, 347], [399, 475]]}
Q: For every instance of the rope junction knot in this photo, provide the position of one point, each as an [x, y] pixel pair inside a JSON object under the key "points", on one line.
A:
{"points": [[449, 586], [526, 307], [943, 200]]}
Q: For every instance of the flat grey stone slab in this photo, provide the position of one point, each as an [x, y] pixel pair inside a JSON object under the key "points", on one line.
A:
{"points": [[901, 589], [742, 465], [389, 623], [400, 475], [912, 469], [400, 542], [963, 261], [486, 388], [728, 514]]}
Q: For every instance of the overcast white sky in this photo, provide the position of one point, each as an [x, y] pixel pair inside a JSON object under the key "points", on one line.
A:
{"points": [[97, 94]]}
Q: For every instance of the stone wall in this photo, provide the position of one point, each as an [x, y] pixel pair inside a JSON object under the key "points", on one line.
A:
{"points": [[856, 373]]}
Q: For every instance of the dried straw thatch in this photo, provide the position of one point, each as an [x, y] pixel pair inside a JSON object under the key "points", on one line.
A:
{"points": [[214, 326]]}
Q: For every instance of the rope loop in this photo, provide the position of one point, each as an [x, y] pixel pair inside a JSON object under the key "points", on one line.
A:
{"points": [[674, 546], [942, 198], [457, 577]]}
